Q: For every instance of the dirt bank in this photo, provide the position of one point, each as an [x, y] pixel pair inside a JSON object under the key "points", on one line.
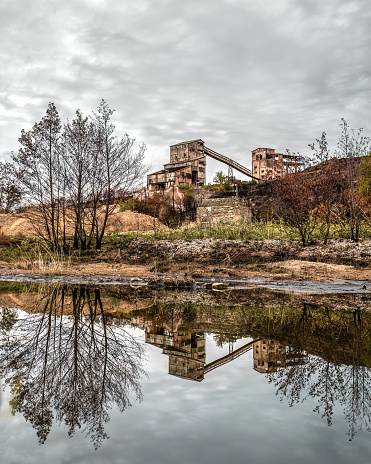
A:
{"points": [[182, 259], [235, 252], [21, 225]]}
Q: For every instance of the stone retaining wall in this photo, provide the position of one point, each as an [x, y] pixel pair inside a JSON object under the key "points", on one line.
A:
{"points": [[223, 210]]}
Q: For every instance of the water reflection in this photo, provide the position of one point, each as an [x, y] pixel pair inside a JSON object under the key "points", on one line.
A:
{"points": [[329, 384], [305, 352], [69, 362]]}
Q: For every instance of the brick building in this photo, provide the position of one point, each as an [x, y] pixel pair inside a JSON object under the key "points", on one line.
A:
{"points": [[187, 166], [267, 164]]}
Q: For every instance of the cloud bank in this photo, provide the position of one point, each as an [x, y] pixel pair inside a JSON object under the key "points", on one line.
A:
{"points": [[237, 73]]}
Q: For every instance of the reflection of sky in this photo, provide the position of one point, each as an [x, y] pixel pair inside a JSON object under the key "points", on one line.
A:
{"points": [[232, 416]]}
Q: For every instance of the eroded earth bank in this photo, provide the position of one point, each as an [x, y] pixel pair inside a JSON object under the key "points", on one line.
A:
{"points": [[209, 263]]}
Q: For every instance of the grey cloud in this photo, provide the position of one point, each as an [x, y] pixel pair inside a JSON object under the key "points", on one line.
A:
{"points": [[239, 74]]}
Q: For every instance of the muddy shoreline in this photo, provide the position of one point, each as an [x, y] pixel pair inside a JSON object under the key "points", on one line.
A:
{"points": [[338, 266], [215, 283]]}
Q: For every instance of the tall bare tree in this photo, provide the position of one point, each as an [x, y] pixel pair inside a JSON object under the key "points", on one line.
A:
{"points": [[115, 167], [295, 202], [351, 145], [78, 153], [70, 176], [10, 195], [39, 175]]}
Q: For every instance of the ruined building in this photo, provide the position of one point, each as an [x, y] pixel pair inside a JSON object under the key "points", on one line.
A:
{"points": [[187, 166], [267, 164]]}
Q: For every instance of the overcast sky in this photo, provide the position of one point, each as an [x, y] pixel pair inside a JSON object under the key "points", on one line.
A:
{"points": [[240, 74]]}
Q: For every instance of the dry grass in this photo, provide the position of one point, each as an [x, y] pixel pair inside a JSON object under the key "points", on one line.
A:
{"points": [[309, 270], [18, 225]]}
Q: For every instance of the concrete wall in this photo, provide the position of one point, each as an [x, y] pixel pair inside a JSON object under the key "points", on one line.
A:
{"points": [[223, 210]]}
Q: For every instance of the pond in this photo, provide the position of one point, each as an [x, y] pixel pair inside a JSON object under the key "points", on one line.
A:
{"points": [[133, 374]]}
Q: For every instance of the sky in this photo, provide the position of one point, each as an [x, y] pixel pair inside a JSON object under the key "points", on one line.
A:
{"points": [[239, 74]]}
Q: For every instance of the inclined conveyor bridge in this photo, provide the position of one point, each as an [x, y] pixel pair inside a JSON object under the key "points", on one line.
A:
{"points": [[173, 167], [229, 162], [229, 357]]}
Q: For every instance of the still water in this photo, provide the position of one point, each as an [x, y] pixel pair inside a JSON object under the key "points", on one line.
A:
{"points": [[91, 375]]}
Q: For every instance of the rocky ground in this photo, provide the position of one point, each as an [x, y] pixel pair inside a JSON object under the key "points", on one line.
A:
{"points": [[236, 252], [184, 260]]}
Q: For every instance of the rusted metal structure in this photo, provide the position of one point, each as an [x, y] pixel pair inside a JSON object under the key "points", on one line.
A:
{"points": [[230, 163]]}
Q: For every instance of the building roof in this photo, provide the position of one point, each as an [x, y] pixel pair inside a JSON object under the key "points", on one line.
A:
{"points": [[188, 141], [163, 171], [263, 148]]}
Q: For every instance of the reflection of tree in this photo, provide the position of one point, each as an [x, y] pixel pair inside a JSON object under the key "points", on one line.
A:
{"points": [[357, 400], [315, 378], [7, 320], [77, 365], [357, 383], [222, 339], [329, 381]]}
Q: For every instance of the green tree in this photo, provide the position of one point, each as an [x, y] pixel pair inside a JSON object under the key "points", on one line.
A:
{"points": [[220, 178]]}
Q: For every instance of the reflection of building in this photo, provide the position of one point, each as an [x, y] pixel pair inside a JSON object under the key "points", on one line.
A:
{"points": [[186, 349], [188, 360], [186, 352], [267, 164], [269, 355]]}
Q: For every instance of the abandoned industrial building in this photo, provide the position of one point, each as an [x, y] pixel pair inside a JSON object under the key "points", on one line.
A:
{"points": [[187, 166], [267, 164]]}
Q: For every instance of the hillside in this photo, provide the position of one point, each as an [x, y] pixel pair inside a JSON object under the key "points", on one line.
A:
{"points": [[18, 225]]}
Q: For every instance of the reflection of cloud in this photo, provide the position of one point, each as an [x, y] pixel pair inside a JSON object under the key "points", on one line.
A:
{"points": [[5, 409]]}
